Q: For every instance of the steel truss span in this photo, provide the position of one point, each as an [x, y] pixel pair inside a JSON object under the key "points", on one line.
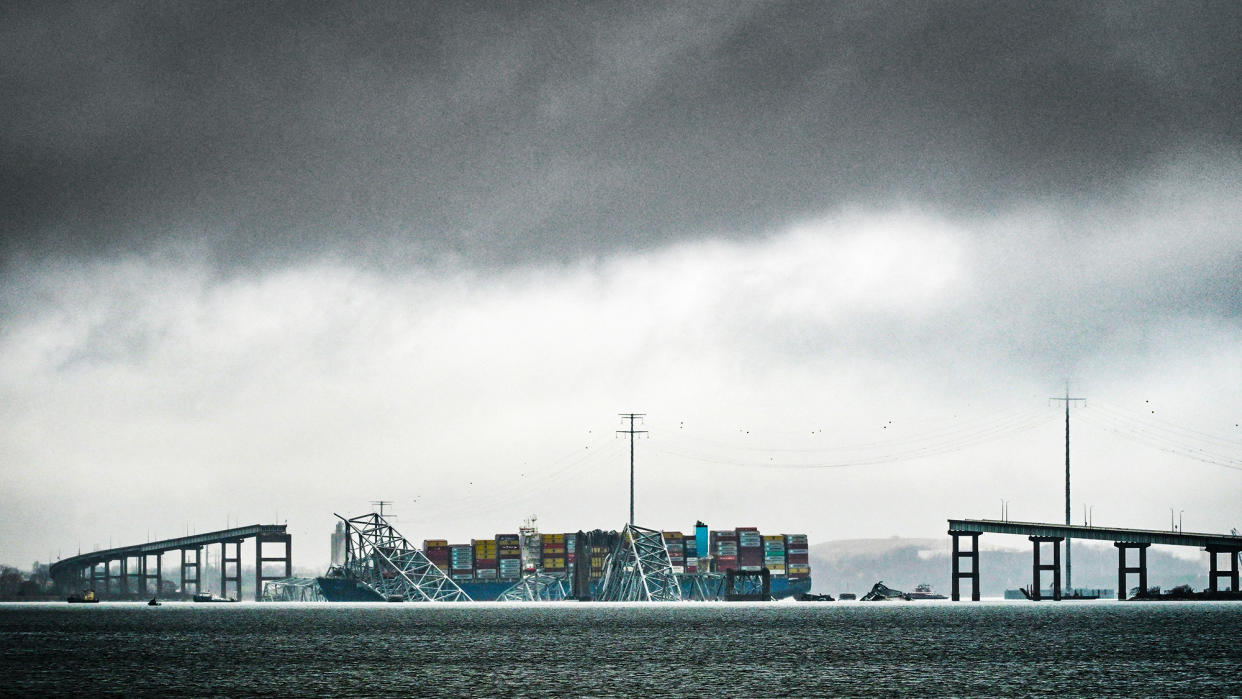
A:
{"points": [[705, 587], [536, 588], [292, 590], [380, 558], [639, 570]]}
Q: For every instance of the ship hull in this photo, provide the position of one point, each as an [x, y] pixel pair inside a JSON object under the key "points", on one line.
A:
{"points": [[347, 590]]}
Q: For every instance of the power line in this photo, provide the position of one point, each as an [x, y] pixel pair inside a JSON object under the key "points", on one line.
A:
{"points": [[1163, 442], [934, 445]]}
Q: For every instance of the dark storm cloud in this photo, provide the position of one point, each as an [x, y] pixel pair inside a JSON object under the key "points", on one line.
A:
{"points": [[514, 131]]}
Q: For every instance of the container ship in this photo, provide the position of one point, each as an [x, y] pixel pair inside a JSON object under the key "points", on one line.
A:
{"points": [[486, 568]]}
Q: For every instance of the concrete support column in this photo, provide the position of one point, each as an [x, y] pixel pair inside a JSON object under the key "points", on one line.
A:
{"points": [[1123, 568], [973, 573], [1216, 573], [1037, 568], [196, 579], [125, 576], [225, 560], [159, 573], [286, 557]]}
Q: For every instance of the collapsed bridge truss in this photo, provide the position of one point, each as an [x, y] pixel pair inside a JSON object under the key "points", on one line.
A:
{"points": [[639, 569], [536, 588], [380, 558]]}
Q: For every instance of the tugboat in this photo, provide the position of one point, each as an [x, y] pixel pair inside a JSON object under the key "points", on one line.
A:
{"points": [[924, 591], [87, 597], [208, 597]]}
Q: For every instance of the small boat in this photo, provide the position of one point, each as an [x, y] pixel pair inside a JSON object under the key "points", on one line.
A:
{"points": [[808, 597], [924, 591], [208, 597], [87, 597], [154, 602]]}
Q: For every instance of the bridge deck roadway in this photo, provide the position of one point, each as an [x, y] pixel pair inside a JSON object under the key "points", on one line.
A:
{"points": [[85, 560], [1074, 531]]}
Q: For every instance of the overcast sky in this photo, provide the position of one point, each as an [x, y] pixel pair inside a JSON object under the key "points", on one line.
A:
{"points": [[268, 260]]}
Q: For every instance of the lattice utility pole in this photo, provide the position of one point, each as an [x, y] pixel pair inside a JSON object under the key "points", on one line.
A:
{"points": [[631, 432], [1069, 580], [381, 504]]}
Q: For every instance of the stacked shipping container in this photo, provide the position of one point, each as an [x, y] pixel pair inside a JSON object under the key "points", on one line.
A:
{"points": [[750, 549], [797, 556], [461, 562], [484, 559], [553, 553], [723, 549], [437, 551], [774, 553], [743, 549], [675, 543], [508, 556], [692, 557]]}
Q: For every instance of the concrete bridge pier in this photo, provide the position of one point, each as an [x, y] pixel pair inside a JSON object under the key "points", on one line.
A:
{"points": [[196, 564], [973, 573], [235, 560], [1216, 573], [1037, 569], [144, 560], [1123, 569], [259, 560], [106, 577]]}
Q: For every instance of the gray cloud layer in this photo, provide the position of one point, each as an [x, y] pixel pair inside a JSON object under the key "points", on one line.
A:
{"points": [[338, 252], [500, 131]]}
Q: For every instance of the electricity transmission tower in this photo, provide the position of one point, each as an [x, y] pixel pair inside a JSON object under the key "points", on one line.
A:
{"points": [[631, 432], [1069, 580]]}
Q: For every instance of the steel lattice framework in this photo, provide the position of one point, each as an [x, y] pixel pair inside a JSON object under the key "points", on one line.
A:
{"points": [[292, 590], [536, 588], [378, 557], [639, 570], [705, 587]]}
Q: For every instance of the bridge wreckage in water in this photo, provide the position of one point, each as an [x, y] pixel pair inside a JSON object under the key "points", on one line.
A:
{"points": [[382, 565]]}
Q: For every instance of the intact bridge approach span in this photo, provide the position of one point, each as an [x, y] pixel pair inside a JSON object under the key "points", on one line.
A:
{"points": [[1124, 539], [126, 572]]}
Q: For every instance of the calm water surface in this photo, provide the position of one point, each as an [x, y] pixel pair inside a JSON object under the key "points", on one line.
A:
{"points": [[782, 649]]}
